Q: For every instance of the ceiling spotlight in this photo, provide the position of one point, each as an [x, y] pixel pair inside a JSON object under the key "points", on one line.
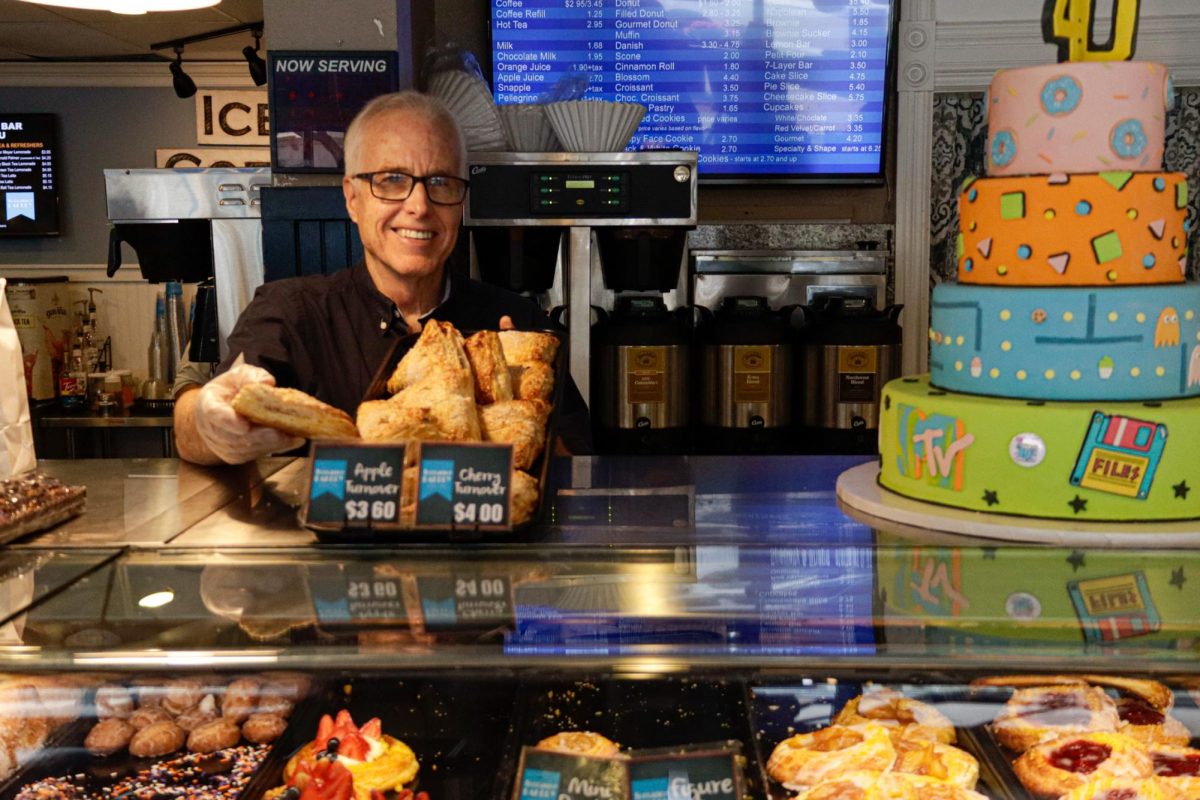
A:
{"points": [[258, 67], [184, 85], [128, 6]]}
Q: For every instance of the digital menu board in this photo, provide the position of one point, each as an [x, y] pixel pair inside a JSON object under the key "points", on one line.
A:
{"points": [[790, 90], [28, 185]]}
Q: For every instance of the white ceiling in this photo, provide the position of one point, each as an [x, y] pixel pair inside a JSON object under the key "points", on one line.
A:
{"points": [[29, 31]]}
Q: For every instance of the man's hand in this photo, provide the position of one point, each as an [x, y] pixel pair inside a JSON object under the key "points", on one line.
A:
{"points": [[230, 437]]}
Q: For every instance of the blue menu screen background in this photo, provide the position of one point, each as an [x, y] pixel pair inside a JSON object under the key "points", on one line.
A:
{"points": [[766, 89]]}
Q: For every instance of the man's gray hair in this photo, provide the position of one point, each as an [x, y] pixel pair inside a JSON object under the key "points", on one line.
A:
{"points": [[408, 100]]}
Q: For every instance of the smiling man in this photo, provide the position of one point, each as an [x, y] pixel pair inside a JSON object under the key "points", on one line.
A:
{"points": [[405, 183]]}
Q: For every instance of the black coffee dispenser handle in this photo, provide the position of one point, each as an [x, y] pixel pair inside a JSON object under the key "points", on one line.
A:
{"points": [[114, 250], [556, 314], [893, 312]]}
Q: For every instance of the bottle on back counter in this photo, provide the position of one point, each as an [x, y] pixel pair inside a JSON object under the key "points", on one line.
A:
{"points": [[72, 383], [157, 352], [175, 338]]}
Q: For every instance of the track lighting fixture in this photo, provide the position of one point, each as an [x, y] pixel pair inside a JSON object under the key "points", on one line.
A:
{"points": [[183, 83], [185, 86], [258, 67]]}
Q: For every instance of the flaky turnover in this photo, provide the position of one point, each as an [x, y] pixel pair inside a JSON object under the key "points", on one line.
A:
{"points": [[521, 423], [524, 347], [292, 411], [493, 384], [439, 354], [532, 381]]}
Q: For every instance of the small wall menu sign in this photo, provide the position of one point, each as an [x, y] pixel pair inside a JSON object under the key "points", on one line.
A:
{"points": [[355, 485], [544, 775], [464, 486]]}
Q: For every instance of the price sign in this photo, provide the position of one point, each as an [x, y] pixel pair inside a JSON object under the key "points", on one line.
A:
{"points": [[545, 775], [355, 485], [710, 775], [465, 486], [466, 600]]}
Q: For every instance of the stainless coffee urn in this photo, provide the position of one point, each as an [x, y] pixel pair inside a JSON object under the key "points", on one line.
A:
{"points": [[849, 351], [746, 366]]}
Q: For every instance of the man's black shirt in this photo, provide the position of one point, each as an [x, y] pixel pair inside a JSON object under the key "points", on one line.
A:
{"points": [[326, 335]]}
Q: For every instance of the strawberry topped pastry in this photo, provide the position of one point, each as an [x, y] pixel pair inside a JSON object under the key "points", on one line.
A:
{"points": [[346, 761]]}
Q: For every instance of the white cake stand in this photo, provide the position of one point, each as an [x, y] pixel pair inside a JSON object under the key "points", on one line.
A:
{"points": [[862, 497]]}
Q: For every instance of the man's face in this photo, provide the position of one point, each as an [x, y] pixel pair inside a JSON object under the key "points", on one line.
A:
{"points": [[411, 238]]}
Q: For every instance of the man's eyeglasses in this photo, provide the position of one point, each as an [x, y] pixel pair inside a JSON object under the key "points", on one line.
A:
{"points": [[445, 190]]}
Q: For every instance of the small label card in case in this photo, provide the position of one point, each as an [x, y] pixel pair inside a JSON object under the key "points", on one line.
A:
{"points": [[707, 774], [465, 486], [355, 485], [546, 775]]}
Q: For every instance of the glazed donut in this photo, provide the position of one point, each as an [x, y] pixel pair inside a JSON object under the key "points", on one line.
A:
{"points": [[1044, 713], [1055, 768], [182, 694], [936, 760], [156, 740], [807, 758], [1149, 725], [583, 743], [148, 716], [200, 714], [1124, 789], [109, 736], [1177, 767], [263, 728], [214, 736], [240, 699], [910, 718], [113, 701]]}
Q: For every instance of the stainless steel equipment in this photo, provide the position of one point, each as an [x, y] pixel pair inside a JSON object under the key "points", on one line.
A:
{"points": [[746, 368], [642, 359], [189, 225], [850, 350], [582, 192], [788, 277]]}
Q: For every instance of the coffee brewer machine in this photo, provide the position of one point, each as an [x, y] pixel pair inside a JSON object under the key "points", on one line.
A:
{"points": [[193, 225], [626, 217]]}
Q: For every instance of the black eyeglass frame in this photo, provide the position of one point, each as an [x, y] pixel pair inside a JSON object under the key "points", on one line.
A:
{"points": [[369, 177]]}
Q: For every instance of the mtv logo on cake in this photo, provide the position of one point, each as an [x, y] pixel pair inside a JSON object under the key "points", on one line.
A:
{"points": [[19, 204], [932, 447], [1120, 455]]}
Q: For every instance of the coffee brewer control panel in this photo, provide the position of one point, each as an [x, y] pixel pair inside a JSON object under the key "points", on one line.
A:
{"points": [[647, 188], [579, 192]]}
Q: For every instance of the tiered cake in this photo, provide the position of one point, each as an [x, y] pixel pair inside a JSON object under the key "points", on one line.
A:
{"points": [[1065, 364]]}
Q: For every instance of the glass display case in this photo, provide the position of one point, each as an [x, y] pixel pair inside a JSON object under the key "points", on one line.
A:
{"points": [[764, 647]]}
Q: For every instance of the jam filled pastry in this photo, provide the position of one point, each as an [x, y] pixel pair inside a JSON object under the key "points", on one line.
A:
{"points": [[377, 762], [936, 760], [1124, 789], [580, 743], [908, 718], [1044, 713], [808, 758], [1177, 767], [1152, 693], [1149, 725], [1055, 768]]}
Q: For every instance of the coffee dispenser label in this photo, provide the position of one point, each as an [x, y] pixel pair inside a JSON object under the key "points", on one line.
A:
{"points": [[856, 374], [646, 375], [751, 374]]}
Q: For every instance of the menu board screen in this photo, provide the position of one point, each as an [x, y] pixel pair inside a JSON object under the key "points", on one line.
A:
{"points": [[28, 189], [790, 90]]}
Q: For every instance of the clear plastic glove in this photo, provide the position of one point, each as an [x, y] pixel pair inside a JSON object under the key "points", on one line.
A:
{"points": [[233, 438]]}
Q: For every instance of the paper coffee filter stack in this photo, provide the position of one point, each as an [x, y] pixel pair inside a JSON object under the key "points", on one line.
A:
{"points": [[470, 101], [529, 129], [594, 126]]}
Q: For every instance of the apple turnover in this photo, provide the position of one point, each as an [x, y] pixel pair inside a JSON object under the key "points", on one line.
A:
{"points": [[493, 383]]}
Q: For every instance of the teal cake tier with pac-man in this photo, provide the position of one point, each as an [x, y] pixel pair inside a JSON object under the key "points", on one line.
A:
{"points": [[1120, 343], [1096, 461]]}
